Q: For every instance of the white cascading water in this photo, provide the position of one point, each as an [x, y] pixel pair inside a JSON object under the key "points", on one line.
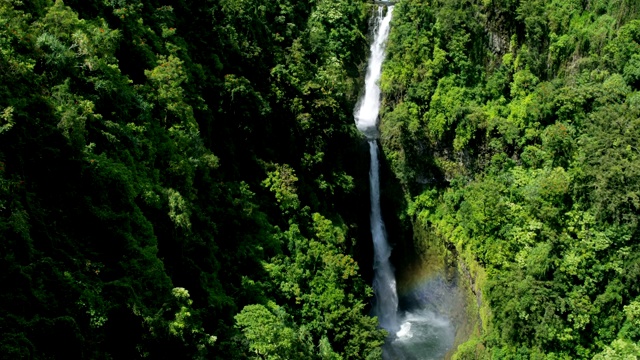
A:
{"points": [[419, 333], [384, 282], [366, 116], [369, 107]]}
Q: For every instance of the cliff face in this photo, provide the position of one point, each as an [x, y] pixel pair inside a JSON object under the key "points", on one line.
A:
{"points": [[511, 127]]}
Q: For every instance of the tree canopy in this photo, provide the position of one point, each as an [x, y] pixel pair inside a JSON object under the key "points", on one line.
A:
{"points": [[179, 179]]}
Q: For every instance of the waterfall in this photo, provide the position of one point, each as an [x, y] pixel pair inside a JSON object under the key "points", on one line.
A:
{"points": [[366, 117], [384, 282], [419, 331]]}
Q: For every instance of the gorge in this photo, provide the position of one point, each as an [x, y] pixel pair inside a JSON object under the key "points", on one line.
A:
{"points": [[420, 329]]}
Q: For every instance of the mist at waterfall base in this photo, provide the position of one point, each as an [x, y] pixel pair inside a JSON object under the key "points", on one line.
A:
{"points": [[426, 307], [417, 330], [417, 321]]}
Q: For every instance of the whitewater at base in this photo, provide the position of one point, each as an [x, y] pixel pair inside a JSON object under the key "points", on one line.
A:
{"points": [[427, 329], [423, 335]]}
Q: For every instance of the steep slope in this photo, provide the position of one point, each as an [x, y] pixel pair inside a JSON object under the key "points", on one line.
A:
{"points": [[513, 128]]}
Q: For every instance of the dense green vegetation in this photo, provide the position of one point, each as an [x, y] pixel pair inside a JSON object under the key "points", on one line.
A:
{"points": [[185, 179], [513, 126], [182, 180]]}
